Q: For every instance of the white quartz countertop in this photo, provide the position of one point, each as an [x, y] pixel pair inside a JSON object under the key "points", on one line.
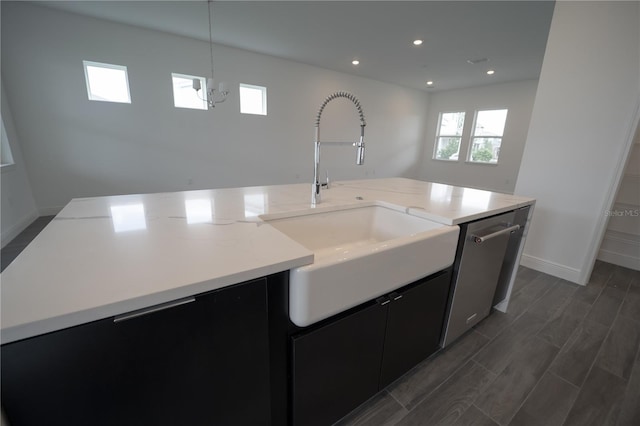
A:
{"points": [[106, 256]]}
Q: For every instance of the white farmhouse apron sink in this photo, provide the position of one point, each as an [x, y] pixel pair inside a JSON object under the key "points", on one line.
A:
{"points": [[360, 253]]}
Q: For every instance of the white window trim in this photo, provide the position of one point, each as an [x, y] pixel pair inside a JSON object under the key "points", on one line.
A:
{"points": [[438, 136], [111, 66], [469, 160], [203, 89], [263, 89]]}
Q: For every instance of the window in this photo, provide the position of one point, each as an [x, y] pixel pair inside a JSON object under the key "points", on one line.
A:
{"points": [[487, 136], [185, 95], [5, 149], [253, 99], [449, 136], [107, 82]]}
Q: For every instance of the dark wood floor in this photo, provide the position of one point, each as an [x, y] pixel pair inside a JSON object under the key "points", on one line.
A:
{"points": [[563, 355], [15, 246]]}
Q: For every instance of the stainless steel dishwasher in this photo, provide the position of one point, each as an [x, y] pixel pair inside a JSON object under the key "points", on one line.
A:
{"points": [[479, 259]]}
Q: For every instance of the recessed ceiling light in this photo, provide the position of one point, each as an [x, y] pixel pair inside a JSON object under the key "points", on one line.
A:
{"points": [[355, 62], [417, 42], [429, 83], [491, 72]]}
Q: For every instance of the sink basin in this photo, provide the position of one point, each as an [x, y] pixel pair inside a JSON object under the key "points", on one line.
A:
{"points": [[360, 253]]}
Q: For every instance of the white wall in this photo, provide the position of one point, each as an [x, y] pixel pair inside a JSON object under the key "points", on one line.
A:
{"points": [[580, 133], [76, 148], [18, 208], [621, 243], [518, 98]]}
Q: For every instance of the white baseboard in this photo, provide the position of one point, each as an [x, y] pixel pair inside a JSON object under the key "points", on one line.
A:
{"points": [[15, 229], [621, 249], [620, 259], [552, 268]]}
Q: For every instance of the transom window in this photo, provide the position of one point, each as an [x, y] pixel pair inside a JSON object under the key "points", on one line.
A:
{"points": [[449, 136], [185, 94], [253, 99], [107, 82]]}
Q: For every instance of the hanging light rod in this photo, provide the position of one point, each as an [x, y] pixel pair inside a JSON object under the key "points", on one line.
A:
{"points": [[219, 95]]}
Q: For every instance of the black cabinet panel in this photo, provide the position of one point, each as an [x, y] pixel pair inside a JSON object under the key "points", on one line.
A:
{"points": [[62, 377], [414, 326], [200, 363], [341, 363], [336, 367]]}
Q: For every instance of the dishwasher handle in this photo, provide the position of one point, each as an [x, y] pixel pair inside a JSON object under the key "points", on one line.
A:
{"points": [[508, 230]]}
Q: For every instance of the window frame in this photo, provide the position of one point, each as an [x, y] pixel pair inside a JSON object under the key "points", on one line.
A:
{"points": [[473, 137], [263, 89], [439, 136], [203, 88], [86, 64]]}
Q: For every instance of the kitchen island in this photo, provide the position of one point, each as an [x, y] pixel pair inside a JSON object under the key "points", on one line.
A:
{"points": [[104, 258]]}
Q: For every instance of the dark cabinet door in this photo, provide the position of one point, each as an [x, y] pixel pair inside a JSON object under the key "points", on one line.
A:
{"points": [[336, 367], [200, 362], [414, 325]]}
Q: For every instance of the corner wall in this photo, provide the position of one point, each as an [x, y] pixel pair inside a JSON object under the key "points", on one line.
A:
{"points": [[580, 133], [18, 208], [518, 98], [621, 242]]}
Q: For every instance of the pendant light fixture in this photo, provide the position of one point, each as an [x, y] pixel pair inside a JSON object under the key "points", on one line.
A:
{"points": [[219, 94]]}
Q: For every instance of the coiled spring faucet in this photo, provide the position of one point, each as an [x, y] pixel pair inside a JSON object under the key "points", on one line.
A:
{"points": [[316, 186]]}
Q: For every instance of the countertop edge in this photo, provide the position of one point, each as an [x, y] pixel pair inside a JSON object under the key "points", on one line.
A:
{"points": [[49, 325], [298, 257]]}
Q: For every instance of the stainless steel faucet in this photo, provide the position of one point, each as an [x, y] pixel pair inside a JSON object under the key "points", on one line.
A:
{"points": [[316, 186]]}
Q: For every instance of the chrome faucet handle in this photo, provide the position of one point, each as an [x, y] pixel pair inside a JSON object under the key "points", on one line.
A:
{"points": [[326, 184]]}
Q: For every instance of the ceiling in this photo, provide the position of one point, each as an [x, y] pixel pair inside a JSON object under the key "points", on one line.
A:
{"points": [[510, 35]]}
